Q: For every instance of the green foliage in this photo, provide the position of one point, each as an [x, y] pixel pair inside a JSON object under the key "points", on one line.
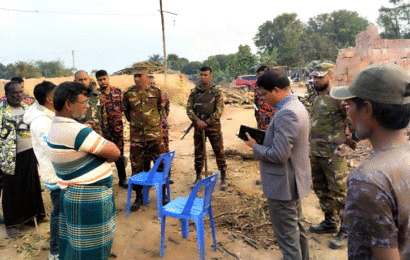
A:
{"points": [[22, 69], [191, 68], [285, 33], [242, 63], [156, 58], [176, 63], [269, 58], [36, 69], [53, 69], [395, 21], [339, 26]]}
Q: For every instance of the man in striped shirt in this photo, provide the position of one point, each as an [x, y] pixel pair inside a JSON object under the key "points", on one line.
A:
{"points": [[82, 160]]}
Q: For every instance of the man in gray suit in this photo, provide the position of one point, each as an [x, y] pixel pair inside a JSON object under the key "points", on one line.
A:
{"points": [[285, 165]]}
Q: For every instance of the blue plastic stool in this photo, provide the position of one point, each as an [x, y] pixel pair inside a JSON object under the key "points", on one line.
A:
{"points": [[152, 178], [193, 208]]}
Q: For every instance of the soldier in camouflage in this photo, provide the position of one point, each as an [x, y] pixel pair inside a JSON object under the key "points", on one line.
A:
{"points": [[329, 165], [95, 115], [164, 122], [204, 108], [263, 111], [143, 109], [113, 128]]}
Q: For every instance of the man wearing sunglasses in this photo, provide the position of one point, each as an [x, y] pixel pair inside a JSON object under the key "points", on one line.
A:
{"points": [[329, 165]]}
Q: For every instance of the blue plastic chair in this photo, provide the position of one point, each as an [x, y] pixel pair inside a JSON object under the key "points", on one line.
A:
{"points": [[152, 178], [193, 208]]}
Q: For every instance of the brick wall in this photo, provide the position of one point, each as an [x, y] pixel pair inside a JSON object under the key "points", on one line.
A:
{"points": [[370, 49]]}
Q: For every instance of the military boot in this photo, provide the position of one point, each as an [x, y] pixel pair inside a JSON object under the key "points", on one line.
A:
{"points": [[326, 226], [224, 186], [340, 240], [164, 195], [198, 178], [137, 203]]}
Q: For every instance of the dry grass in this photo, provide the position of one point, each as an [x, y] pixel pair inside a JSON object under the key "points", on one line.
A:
{"points": [[177, 88]]}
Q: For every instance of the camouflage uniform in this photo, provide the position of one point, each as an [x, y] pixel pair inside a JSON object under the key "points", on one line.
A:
{"points": [[113, 127], [164, 123], [329, 166], [377, 207], [265, 111], [144, 112], [96, 111], [207, 105]]}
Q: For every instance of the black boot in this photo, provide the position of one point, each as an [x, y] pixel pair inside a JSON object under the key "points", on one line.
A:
{"points": [[138, 199], [164, 195], [340, 240], [326, 226], [224, 186], [198, 177]]}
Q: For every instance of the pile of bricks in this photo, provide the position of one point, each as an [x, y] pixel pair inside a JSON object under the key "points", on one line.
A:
{"points": [[370, 49]]}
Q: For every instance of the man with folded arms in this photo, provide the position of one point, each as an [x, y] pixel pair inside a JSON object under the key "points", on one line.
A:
{"points": [[82, 160]]}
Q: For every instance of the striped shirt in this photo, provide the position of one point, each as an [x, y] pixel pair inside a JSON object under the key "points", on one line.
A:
{"points": [[73, 150]]}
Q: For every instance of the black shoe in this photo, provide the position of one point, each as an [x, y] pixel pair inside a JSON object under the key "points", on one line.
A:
{"points": [[224, 186], [164, 200], [326, 226], [339, 241], [136, 205], [198, 179], [13, 232], [171, 181], [123, 183]]}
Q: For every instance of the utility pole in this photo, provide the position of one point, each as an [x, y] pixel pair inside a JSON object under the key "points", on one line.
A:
{"points": [[73, 61], [163, 41]]}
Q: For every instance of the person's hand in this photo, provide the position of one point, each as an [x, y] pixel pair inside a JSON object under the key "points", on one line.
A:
{"points": [[352, 144], [90, 124], [201, 124], [251, 142]]}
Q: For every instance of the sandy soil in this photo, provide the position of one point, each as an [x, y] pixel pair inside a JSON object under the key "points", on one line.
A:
{"points": [[138, 236]]}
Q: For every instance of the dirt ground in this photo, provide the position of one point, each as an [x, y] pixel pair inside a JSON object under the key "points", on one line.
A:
{"points": [[242, 225]]}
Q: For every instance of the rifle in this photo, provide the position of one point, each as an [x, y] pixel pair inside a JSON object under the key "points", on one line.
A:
{"points": [[187, 130]]}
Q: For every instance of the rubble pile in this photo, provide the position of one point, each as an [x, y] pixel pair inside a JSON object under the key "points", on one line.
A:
{"points": [[153, 68]]}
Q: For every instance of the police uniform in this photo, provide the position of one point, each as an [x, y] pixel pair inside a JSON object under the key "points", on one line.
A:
{"points": [[207, 105], [144, 111]]}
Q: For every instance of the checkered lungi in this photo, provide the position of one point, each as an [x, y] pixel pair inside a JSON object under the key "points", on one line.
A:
{"points": [[87, 221]]}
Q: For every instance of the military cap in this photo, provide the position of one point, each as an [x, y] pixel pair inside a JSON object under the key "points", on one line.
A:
{"points": [[141, 70], [387, 84], [322, 69]]}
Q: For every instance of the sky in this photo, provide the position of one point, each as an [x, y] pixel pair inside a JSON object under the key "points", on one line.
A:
{"points": [[112, 42]]}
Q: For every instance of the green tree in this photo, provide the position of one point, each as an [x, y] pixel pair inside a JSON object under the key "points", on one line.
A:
{"points": [[395, 21], [191, 68], [175, 62], [156, 58], [268, 58], [52, 69], [285, 33], [242, 63], [22, 69], [212, 62], [339, 26], [3, 71], [319, 47]]}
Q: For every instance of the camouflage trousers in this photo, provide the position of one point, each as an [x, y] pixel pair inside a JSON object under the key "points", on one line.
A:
{"points": [[329, 177], [141, 156], [214, 135]]}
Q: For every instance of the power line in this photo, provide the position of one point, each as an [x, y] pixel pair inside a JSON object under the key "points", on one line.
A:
{"points": [[48, 12]]}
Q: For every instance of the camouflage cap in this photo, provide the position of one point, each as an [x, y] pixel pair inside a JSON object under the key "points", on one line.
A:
{"points": [[141, 70], [322, 69], [387, 84]]}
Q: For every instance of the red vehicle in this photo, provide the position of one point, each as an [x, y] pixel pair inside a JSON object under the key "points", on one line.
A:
{"points": [[246, 82]]}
